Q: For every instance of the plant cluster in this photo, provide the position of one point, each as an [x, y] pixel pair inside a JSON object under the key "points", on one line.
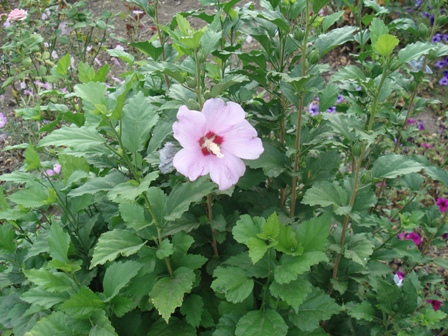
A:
{"points": [[216, 189]]}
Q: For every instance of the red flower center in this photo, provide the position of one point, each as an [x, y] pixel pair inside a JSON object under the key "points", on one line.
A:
{"points": [[210, 144]]}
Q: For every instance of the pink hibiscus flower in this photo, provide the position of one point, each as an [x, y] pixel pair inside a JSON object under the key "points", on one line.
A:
{"points": [[214, 141]]}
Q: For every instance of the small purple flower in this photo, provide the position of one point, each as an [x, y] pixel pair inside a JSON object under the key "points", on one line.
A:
{"points": [[398, 278], [435, 304], [313, 109], [340, 99], [358, 88], [411, 121], [440, 64], [3, 120], [443, 81], [437, 38], [46, 86], [427, 146], [56, 170], [420, 125], [442, 203], [415, 237], [445, 236], [332, 109]]}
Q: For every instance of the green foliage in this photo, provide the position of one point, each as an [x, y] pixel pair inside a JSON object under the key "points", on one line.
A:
{"points": [[118, 242]]}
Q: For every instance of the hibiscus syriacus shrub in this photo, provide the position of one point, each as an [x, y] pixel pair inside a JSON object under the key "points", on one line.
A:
{"points": [[203, 195]]}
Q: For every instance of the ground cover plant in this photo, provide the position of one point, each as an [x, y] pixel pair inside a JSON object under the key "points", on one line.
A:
{"points": [[218, 177]]}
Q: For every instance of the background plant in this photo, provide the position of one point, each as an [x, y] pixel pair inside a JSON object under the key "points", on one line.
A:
{"points": [[328, 232]]}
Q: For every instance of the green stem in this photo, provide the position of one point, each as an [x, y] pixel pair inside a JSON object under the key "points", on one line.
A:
{"points": [[442, 221], [373, 112], [198, 79], [159, 35], [210, 219], [299, 117]]}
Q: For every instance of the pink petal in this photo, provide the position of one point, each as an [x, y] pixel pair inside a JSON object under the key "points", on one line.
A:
{"points": [[189, 127], [242, 141], [222, 116], [226, 171], [191, 162]]}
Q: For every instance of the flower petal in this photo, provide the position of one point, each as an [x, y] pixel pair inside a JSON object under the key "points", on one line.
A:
{"points": [[222, 116], [189, 127], [191, 163], [242, 141], [226, 171]]}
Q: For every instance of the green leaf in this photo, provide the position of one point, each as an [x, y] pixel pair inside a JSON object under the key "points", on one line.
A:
{"points": [[325, 194], [312, 234], [393, 165], [414, 51], [271, 228], [57, 323], [359, 248], [292, 266], [133, 215], [293, 293], [319, 4], [287, 243], [385, 45], [58, 242], [7, 238], [165, 249], [336, 37], [98, 184], [52, 281], [247, 227], [329, 20], [328, 97], [192, 309], [317, 307], [85, 72], [41, 297], [101, 325], [261, 322], [168, 293], [33, 197], [18, 177], [226, 325], [83, 303], [121, 54], [118, 276], [63, 64], [31, 158], [210, 41], [174, 327], [184, 194], [139, 117], [113, 243], [130, 190], [377, 28], [233, 283], [388, 295], [74, 137], [361, 311], [438, 174], [93, 92], [149, 49], [227, 82], [257, 249], [272, 161]]}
